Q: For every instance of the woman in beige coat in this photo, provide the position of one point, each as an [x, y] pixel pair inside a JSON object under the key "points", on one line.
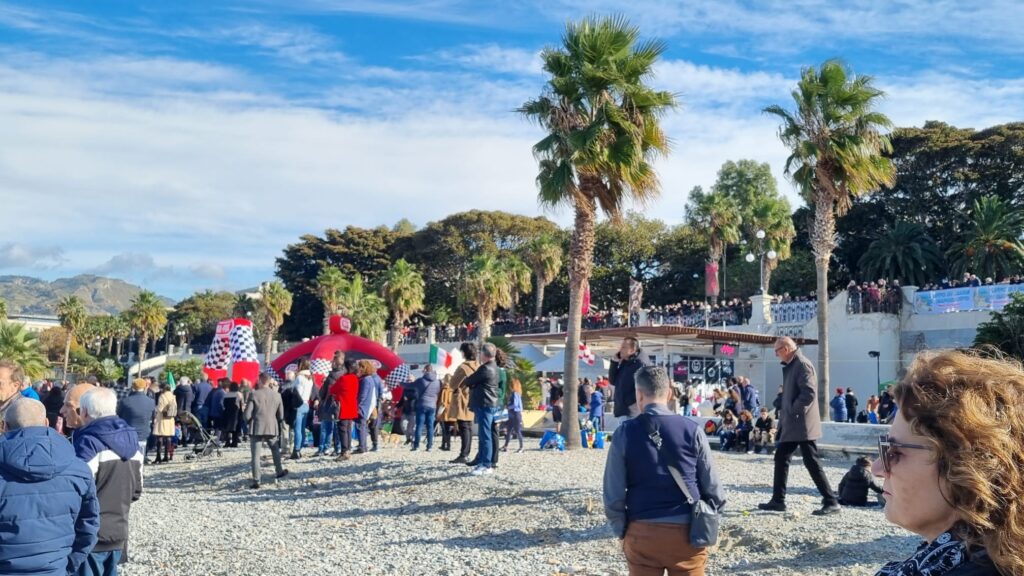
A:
{"points": [[163, 424]]}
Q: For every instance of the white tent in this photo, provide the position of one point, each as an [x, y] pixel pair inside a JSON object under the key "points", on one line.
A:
{"points": [[557, 364], [532, 353]]}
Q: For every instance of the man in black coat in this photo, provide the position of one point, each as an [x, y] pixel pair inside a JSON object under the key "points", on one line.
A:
{"points": [[622, 369], [184, 394], [851, 405], [483, 401]]}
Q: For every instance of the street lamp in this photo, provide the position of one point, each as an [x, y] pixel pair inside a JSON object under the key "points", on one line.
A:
{"points": [[878, 367], [761, 254]]}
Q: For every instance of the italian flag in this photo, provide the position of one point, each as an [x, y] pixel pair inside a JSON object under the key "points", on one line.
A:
{"points": [[440, 357]]}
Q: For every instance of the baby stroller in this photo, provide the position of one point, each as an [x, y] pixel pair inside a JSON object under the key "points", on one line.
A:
{"points": [[206, 443]]}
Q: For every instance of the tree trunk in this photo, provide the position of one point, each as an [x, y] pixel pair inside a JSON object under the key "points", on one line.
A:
{"points": [[268, 339], [67, 353], [110, 345], [120, 346], [766, 271], [485, 318], [538, 310], [395, 333], [327, 319], [823, 241], [581, 261]]}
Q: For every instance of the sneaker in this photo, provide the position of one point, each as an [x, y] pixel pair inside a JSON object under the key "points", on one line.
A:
{"points": [[343, 457], [254, 486], [413, 449], [374, 449], [773, 506], [282, 474], [827, 510], [481, 471], [520, 451], [427, 450]]}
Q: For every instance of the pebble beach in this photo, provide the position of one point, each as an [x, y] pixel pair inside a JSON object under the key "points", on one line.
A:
{"points": [[402, 512]]}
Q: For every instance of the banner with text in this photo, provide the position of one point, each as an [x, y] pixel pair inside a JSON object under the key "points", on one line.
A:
{"points": [[993, 297]]}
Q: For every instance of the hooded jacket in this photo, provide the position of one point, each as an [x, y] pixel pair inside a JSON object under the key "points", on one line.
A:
{"points": [[50, 514], [427, 387], [110, 447]]}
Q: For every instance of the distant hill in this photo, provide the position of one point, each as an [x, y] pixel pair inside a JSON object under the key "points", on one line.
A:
{"points": [[26, 295]]}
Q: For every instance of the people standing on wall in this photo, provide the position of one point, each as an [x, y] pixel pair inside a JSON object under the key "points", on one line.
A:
{"points": [[799, 428], [851, 405]]}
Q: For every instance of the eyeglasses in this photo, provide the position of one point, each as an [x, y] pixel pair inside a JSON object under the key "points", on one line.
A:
{"points": [[889, 451]]}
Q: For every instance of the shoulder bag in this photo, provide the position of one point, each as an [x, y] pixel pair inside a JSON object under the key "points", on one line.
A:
{"points": [[704, 517]]}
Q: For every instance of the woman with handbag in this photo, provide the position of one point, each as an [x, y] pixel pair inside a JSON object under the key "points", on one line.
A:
{"points": [[661, 490], [163, 424]]}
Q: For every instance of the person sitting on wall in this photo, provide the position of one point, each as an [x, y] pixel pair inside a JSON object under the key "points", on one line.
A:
{"points": [[764, 432], [726, 431]]}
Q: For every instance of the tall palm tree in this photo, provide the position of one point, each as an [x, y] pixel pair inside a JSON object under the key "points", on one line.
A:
{"points": [[905, 252], [837, 145], [544, 256], [991, 244], [403, 290], [773, 216], [120, 328], [21, 347], [328, 288], [487, 286], [716, 216], [275, 302], [72, 315], [148, 316], [517, 274], [366, 310], [603, 132]]}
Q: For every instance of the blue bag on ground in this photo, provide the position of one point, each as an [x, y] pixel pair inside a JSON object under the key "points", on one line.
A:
{"points": [[552, 440]]}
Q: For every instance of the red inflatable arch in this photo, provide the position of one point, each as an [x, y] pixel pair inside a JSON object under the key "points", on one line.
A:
{"points": [[322, 348]]}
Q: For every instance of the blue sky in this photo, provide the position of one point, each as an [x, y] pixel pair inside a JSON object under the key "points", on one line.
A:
{"points": [[181, 145]]}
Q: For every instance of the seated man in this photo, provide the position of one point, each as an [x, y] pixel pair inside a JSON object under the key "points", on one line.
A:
{"points": [[50, 514], [853, 488], [764, 433]]}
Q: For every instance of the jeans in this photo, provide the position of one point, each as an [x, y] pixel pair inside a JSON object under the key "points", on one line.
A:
{"points": [[424, 419], [485, 425], [100, 564], [326, 435], [809, 450], [255, 445], [514, 426], [368, 430], [300, 426]]}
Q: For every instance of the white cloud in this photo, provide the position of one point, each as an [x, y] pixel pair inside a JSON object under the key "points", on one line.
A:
{"points": [[18, 255], [493, 58]]}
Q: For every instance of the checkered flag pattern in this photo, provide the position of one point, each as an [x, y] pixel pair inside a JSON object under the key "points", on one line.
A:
{"points": [[273, 374], [397, 377], [243, 345], [218, 354], [320, 366]]}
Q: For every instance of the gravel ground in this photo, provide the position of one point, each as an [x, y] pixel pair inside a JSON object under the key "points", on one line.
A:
{"points": [[401, 512]]}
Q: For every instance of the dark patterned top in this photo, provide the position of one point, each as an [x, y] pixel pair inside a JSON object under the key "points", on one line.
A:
{"points": [[945, 556]]}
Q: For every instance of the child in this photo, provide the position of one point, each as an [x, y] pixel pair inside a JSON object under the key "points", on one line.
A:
{"points": [[743, 430], [764, 432], [853, 488], [596, 407], [727, 431]]}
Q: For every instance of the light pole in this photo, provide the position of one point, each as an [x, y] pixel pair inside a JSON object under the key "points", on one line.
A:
{"points": [[878, 367], [761, 254]]}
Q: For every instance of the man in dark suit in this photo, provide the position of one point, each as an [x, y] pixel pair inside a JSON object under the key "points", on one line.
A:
{"points": [[799, 427], [483, 401]]}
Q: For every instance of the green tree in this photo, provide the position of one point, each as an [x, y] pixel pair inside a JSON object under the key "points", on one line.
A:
{"points": [[761, 208], [274, 303], [147, 315], [717, 217], [199, 314], [107, 370], [487, 287], [991, 245], [517, 274], [543, 255], [904, 252], [1005, 329], [120, 329], [22, 347], [363, 307], [403, 291], [3, 309], [192, 368], [603, 132], [836, 145], [329, 283], [72, 315]]}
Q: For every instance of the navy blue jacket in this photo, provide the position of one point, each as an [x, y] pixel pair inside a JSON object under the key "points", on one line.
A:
{"points": [[748, 394], [428, 387], [621, 374], [216, 402], [137, 410], [202, 392], [49, 514], [111, 450]]}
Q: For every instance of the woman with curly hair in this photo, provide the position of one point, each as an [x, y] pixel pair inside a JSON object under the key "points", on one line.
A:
{"points": [[957, 482]]}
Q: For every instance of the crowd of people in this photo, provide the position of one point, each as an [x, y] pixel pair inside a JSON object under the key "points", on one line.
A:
{"points": [[969, 280]]}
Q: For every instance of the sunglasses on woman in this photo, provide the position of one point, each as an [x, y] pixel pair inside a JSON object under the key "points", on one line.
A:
{"points": [[889, 451]]}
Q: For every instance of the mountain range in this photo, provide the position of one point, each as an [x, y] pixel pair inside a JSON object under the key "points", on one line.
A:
{"points": [[27, 295]]}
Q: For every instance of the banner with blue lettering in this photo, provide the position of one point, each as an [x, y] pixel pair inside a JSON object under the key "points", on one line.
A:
{"points": [[992, 297]]}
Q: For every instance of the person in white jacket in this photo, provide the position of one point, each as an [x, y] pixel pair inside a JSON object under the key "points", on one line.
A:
{"points": [[304, 389]]}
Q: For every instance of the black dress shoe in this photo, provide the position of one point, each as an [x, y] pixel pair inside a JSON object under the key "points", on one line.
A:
{"points": [[254, 486], [827, 510], [459, 460], [772, 506], [282, 474], [473, 462]]}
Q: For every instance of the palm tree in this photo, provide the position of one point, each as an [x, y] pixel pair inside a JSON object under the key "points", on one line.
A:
{"points": [[328, 288], [517, 274], [366, 310], [1004, 330], [403, 290], [487, 286], [120, 328], [544, 256], [21, 347], [773, 216], [275, 302], [837, 145], [148, 316], [991, 245], [72, 315], [716, 216], [603, 133], [904, 252]]}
